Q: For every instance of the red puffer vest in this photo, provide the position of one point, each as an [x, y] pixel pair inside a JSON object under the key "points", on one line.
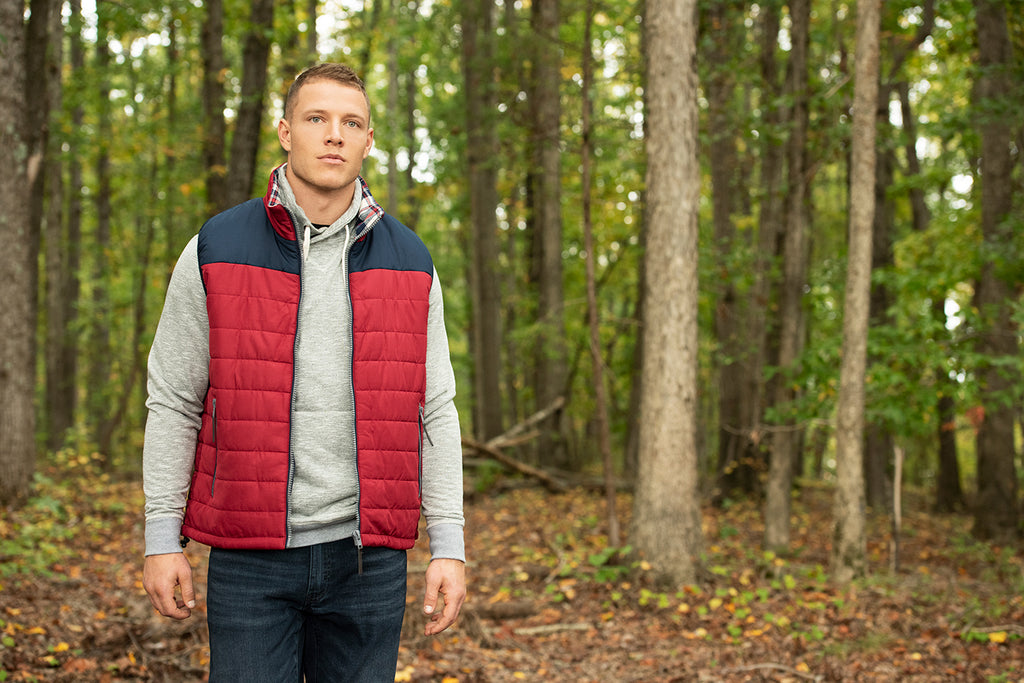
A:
{"points": [[250, 262]]}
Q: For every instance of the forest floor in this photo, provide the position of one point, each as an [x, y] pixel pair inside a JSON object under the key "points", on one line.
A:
{"points": [[549, 602]]}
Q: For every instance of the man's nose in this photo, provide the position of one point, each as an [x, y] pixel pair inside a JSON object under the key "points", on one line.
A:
{"points": [[334, 133]]}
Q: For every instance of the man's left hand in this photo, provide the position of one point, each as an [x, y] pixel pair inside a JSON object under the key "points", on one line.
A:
{"points": [[446, 578]]}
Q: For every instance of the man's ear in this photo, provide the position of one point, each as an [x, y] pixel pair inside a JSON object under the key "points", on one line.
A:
{"points": [[369, 143], [284, 135]]}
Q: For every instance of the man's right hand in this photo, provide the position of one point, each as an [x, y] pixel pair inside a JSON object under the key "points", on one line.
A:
{"points": [[161, 575]]}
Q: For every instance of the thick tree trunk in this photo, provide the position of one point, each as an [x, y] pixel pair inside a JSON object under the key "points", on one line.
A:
{"points": [[849, 547], [482, 154], [551, 368], [666, 511], [245, 142], [787, 441], [997, 509], [17, 324]]}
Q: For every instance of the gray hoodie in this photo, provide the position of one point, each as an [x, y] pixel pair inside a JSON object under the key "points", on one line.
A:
{"points": [[324, 487]]}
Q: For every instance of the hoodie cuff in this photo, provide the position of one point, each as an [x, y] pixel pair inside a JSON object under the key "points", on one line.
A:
{"points": [[447, 542], [163, 535]]}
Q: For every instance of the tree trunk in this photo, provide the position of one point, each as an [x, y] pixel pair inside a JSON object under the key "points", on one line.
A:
{"points": [[737, 468], [849, 548], [878, 438], [392, 108], [666, 511], [37, 133], [760, 391], [593, 314], [59, 381], [214, 126], [311, 38], [996, 512], [787, 441], [17, 324], [482, 154], [245, 142], [949, 496], [551, 370], [98, 398]]}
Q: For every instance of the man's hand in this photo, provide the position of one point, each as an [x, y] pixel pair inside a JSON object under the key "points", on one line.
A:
{"points": [[161, 575], [447, 578]]}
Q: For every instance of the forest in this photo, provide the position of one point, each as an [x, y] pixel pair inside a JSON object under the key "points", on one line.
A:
{"points": [[749, 269]]}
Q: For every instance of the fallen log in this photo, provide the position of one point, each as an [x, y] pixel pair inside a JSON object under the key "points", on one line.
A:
{"points": [[549, 481]]}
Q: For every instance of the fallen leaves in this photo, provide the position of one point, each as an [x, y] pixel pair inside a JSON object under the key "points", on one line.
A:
{"points": [[549, 600]]}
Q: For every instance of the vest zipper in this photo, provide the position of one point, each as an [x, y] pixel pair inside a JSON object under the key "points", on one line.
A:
{"points": [[303, 251], [216, 446], [357, 537]]}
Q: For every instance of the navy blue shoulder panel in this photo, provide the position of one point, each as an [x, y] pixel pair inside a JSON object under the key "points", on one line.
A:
{"points": [[392, 246], [244, 235]]}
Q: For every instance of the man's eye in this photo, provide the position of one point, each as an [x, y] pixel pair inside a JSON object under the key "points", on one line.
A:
{"points": [[316, 119], [352, 124]]}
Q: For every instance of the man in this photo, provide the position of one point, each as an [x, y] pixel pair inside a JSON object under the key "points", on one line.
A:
{"points": [[301, 413]]}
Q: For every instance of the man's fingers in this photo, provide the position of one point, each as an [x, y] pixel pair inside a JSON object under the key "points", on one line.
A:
{"points": [[188, 591], [161, 576], [446, 578]]}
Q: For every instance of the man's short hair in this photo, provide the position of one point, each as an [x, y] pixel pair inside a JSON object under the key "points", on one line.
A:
{"points": [[339, 73]]}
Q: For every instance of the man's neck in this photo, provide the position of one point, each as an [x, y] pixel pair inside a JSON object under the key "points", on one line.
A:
{"points": [[321, 208]]}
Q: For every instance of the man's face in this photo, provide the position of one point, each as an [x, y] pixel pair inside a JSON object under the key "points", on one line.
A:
{"points": [[326, 137]]}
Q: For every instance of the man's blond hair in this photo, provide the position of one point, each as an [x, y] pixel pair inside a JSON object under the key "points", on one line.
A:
{"points": [[339, 73]]}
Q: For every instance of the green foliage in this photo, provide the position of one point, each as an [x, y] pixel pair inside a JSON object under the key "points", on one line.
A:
{"points": [[154, 136], [33, 538]]}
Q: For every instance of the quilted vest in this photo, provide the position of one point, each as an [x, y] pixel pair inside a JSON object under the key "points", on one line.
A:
{"points": [[250, 263]]}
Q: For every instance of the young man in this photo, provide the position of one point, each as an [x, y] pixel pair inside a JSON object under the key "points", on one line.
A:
{"points": [[301, 414]]}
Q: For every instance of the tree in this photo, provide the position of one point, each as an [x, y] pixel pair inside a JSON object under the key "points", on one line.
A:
{"points": [[593, 314], [482, 154], [214, 126], [996, 512], [849, 547], [550, 375], [737, 453], [17, 324], [245, 142], [666, 509], [60, 252], [792, 323]]}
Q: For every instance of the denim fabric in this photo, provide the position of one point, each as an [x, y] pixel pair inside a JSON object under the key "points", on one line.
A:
{"points": [[284, 616]]}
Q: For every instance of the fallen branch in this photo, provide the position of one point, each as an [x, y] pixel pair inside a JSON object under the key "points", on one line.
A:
{"points": [[759, 667], [505, 610], [547, 629], [549, 481]]}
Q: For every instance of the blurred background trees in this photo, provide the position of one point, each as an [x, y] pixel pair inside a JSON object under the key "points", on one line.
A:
{"points": [[125, 125]]}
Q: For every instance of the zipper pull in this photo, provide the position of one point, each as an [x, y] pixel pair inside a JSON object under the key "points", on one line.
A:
{"points": [[358, 540], [423, 426]]}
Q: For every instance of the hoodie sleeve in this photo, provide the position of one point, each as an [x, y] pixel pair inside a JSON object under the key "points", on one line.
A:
{"points": [[442, 452], [177, 384]]}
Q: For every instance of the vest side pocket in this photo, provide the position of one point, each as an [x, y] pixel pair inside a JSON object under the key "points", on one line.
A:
{"points": [[216, 447]]}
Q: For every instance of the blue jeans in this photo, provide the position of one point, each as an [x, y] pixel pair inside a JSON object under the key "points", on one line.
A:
{"points": [[284, 616]]}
